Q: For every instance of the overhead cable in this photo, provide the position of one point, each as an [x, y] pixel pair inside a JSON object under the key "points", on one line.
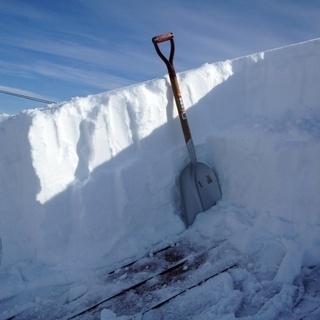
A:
{"points": [[23, 96]]}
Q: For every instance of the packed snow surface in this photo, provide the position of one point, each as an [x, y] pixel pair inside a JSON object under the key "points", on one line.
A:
{"points": [[93, 182]]}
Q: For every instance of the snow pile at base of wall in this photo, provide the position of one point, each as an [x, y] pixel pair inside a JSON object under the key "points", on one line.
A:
{"points": [[95, 179]]}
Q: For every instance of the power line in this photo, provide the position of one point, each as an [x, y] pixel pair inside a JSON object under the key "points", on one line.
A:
{"points": [[23, 96]]}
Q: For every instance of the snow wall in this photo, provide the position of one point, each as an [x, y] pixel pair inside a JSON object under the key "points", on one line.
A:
{"points": [[95, 177]]}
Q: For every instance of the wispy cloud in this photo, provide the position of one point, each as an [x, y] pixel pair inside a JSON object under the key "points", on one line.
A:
{"points": [[21, 9], [66, 49], [92, 78], [70, 61]]}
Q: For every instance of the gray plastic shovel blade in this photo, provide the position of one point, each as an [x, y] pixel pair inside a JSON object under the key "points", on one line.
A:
{"points": [[199, 190]]}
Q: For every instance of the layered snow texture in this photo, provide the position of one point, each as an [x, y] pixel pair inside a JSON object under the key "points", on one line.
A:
{"points": [[93, 181]]}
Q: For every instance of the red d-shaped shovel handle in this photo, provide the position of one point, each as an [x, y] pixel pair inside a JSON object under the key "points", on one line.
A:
{"points": [[163, 37], [169, 62]]}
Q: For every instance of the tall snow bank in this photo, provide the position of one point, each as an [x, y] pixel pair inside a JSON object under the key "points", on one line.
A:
{"points": [[82, 177], [267, 140], [96, 178]]}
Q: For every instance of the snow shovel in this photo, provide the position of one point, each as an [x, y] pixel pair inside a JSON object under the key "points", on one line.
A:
{"points": [[198, 183]]}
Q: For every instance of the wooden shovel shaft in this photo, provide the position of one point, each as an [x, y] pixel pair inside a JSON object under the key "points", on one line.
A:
{"points": [[176, 91], [183, 118]]}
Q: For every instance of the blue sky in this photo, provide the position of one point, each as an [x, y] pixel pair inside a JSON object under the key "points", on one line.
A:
{"points": [[56, 50]]}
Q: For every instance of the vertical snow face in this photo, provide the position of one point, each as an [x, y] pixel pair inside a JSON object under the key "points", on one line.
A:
{"points": [[19, 184], [266, 146], [82, 177], [96, 178]]}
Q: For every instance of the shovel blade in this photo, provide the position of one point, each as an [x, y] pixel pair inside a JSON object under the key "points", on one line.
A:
{"points": [[199, 190]]}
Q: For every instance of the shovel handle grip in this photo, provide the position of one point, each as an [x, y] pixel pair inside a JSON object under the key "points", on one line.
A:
{"points": [[168, 61], [162, 37]]}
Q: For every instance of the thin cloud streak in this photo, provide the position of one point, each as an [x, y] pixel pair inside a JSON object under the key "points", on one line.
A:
{"points": [[90, 78]]}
